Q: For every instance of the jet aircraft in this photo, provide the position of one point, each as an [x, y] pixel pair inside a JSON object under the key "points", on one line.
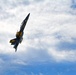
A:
{"points": [[19, 34]]}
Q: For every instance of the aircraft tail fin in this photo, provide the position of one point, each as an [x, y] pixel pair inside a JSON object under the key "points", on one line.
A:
{"points": [[15, 48]]}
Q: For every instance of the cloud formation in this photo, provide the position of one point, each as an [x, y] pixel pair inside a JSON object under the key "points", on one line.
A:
{"points": [[49, 34]]}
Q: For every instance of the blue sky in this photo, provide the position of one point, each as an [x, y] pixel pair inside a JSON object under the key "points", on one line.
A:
{"points": [[49, 45]]}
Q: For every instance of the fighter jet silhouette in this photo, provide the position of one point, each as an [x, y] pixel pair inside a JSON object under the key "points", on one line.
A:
{"points": [[19, 34]]}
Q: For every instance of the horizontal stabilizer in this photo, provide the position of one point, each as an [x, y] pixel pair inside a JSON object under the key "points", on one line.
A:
{"points": [[13, 41]]}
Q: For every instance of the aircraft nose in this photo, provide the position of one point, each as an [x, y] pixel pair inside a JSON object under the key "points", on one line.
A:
{"points": [[29, 14]]}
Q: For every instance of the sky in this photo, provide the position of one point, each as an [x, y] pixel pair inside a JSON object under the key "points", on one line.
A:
{"points": [[49, 44]]}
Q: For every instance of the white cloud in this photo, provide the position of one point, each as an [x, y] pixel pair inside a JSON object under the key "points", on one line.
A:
{"points": [[50, 23], [61, 56]]}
